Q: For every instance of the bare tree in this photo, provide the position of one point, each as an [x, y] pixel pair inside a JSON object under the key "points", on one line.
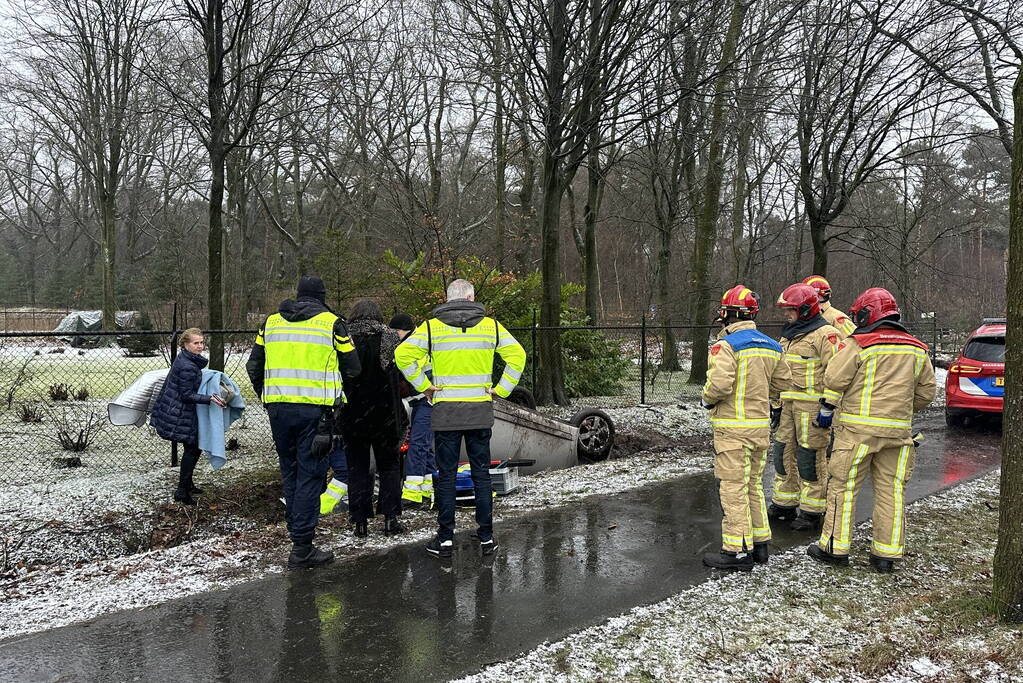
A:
{"points": [[79, 78], [237, 57], [856, 87], [1008, 562]]}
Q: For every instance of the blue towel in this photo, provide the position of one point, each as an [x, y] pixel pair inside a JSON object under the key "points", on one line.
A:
{"points": [[214, 420]]}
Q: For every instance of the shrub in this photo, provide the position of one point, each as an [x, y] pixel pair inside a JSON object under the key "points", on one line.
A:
{"points": [[75, 430], [30, 413], [81, 394], [593, 364], [140, 345], [59, 391]]}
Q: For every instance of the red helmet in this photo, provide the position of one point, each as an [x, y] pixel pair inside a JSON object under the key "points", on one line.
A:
{"points": [[740, 299], [801, 298], [873, 305], [822, 286]]}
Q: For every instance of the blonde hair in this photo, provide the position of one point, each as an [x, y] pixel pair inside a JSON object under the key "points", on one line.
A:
{"points": [[187, 335]]}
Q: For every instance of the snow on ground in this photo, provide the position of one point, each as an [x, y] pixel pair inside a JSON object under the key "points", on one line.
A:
{"points": [[798, 620], [940, 374], [85, 573]]}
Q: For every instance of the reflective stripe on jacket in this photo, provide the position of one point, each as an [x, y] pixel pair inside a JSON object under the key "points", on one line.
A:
{"points": [[837, 319], [741, 379], [301, 364], [807, 358], [883, 379], [462, 360]]}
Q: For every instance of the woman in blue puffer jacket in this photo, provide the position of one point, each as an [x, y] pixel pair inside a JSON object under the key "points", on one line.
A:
{"points": [[174, 413]]}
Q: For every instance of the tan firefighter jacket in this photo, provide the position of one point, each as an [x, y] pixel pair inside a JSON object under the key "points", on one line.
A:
{"points": [[837, 319], [883, 377], [807, 357], [744, 374]]}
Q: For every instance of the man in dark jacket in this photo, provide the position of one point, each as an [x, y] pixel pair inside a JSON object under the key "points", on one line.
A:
{"points": [[460, 342], [298, 366]]}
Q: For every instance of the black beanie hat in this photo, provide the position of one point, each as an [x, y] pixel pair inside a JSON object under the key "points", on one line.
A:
{"points": [[402, 321], [311, 287]]}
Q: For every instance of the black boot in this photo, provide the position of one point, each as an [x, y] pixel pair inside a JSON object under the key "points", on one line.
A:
{"points": [[728, 560], [184, 497], [196, 491], [361, 529], [883, 565], [777, 513], [761, 552], [306, 555], [807, 521], [821, 555], [392, 526]]}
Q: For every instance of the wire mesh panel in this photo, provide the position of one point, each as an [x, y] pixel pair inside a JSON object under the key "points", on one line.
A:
{"points": [[54, 393]]}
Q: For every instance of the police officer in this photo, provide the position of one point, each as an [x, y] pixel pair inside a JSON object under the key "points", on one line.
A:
{"points": [[298, 366], [800, 445], [879, 378], [744, 373], [836, 318], [459, 340]]}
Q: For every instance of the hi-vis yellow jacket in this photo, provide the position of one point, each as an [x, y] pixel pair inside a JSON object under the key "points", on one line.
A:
{"points": [[807, 356], [837, 319], [883, 377], [302, 354], [459, 343], [744, 373]]}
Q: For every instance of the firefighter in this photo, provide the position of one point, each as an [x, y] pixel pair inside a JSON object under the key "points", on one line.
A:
{"points": [[800, 445], [744, 373], [836, 318], [879, 378]]}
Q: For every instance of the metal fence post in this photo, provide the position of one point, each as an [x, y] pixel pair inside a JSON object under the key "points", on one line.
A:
{"points": [[173, 355], [532, 335], [642, 362]]}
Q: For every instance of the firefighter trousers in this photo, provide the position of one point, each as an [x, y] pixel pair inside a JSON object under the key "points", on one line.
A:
{"points": [[890, 463], [740, 474], [800, 454]]}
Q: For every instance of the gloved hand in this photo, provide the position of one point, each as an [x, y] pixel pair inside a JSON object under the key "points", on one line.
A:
{"points": [[707, 406], [824, 417], [918, 439], [775, 417]]}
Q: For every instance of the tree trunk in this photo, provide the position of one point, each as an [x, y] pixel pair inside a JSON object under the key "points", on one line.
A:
{"points": [[590, 210], [1008, 563], [550, 380], [818, 237], [108, 217], [706, 221], [500, 141], [218, 160], [669, 356]]}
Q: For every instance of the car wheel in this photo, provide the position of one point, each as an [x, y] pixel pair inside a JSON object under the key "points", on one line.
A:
{"points": [[955, 420], [522, 396], [596, 434]]}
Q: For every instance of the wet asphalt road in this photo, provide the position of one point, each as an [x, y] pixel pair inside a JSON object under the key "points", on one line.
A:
{"points": [[403, 615]]}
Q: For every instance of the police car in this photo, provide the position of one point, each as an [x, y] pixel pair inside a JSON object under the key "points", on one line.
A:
{"points": [[975, 384]]}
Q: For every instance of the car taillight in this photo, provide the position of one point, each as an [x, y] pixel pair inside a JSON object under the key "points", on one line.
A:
{"points": [[959, 369]]}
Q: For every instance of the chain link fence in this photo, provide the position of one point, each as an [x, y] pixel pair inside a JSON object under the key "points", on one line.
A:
{"points": [[54, 391]]}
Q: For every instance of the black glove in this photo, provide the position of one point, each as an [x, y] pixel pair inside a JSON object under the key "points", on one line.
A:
{"points": [[775, 417], [707, 406], [918, 439]]}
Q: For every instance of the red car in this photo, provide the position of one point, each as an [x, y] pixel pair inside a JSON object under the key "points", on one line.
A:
{"points": [[976, 381]]}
